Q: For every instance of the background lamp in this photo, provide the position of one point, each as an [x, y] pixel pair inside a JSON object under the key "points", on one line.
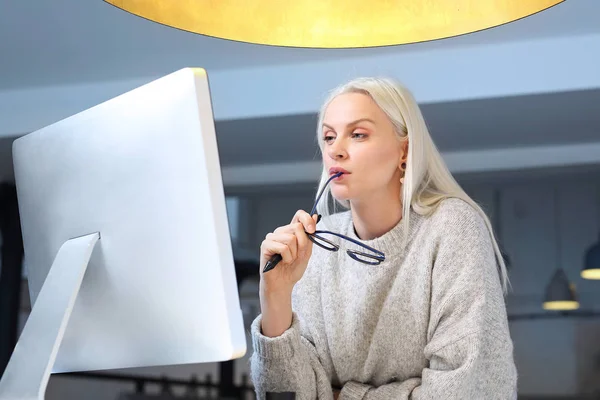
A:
{"points": [[560, 294]]}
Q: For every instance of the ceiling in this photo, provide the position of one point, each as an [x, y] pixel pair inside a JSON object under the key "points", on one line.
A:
{"points": [[67, 41]]}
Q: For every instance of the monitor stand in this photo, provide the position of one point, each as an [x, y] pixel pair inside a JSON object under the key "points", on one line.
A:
{"points": [[28, 371]]}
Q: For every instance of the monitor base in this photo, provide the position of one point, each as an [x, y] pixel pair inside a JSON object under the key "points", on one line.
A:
{"points": [[28, 371]]}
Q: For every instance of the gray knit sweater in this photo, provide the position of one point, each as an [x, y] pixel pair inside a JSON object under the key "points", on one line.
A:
{"points": [[428, 323]]}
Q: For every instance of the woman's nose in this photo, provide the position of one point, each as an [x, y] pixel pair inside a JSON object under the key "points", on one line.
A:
{"points": [[337, 151]]}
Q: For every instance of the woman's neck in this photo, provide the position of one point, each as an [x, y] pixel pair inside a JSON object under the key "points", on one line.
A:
{"points": [[376, 216]]}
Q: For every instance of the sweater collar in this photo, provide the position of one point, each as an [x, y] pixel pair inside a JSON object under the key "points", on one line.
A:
{"points": [[391, 241]]}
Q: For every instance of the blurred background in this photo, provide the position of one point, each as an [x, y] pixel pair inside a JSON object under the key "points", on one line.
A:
{"points": [[515, 110]]}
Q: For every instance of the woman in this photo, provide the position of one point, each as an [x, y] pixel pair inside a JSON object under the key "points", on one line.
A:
{"points": [[411, 306]]}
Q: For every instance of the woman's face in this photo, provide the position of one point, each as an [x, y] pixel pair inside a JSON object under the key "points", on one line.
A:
{"points": [[359, 139]]}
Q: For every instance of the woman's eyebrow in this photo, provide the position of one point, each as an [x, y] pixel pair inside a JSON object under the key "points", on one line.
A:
{"points": [[351, 123]]}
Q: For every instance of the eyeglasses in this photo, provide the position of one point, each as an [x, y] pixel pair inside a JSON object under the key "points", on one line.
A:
{"points": [[323, 239]]}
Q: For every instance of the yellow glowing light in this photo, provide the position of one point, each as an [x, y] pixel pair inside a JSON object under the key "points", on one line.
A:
{"points": [[333, 23], [561, 305], [593, 273]]}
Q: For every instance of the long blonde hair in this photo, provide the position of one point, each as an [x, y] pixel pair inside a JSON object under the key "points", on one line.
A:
{"points": [[427, 180]]}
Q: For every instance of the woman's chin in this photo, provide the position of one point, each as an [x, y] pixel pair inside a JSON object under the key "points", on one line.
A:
{"points": [[340, 194]]}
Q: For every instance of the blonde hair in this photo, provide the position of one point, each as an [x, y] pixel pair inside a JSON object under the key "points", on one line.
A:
{"points": [[427, 180]]}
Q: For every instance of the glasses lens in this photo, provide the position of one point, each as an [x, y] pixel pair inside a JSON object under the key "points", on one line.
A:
{"points": [[359, 253], [324, 240], [366, 256]]}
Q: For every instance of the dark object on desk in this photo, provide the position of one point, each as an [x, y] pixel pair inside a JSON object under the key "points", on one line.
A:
{"points": [[194, 387], [280, 396], [155, 397]]}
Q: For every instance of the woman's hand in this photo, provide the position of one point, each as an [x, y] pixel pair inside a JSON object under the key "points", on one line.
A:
{"points": [[292, 243], [336, 394], [276, 285]]}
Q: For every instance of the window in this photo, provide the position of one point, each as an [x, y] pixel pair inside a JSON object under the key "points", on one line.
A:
{"points": [[233, 216]]}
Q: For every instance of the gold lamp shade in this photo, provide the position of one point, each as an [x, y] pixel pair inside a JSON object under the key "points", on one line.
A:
{"points": [[332, 23]]}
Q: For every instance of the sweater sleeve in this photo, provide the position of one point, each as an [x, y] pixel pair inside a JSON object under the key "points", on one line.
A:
{"points": [[461, 370], [469, 348], [287, 363]]}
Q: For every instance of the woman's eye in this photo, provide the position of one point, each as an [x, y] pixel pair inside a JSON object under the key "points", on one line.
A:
{"points": [[358, 135], [328, 138]]}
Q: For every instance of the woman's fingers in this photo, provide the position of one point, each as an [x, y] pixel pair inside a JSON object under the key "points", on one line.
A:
{"points": [[294, 237], [287, 238], [271, 247], [293, 244], [307, 221], [301, 238]]}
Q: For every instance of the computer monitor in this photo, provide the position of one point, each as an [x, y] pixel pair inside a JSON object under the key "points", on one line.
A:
{"points": [[134, 186]]}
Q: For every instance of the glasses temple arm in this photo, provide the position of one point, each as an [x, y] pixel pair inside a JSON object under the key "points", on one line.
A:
{"points": [[312, 212]]}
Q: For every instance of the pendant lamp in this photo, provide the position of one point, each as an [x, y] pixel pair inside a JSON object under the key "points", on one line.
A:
{"points": [[591, 267], [560, 293], [333, 23]]}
